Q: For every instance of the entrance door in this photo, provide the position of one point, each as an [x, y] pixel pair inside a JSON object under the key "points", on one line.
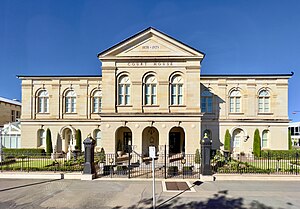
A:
{"points": [[174, 142], [127, 140]]}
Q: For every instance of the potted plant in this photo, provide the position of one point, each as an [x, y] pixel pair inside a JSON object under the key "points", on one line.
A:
{"points": [[197, 159], [187, 170], [121, 170], [173, 171]]}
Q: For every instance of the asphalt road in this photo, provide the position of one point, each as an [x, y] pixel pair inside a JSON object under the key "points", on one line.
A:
{"points": [[67, 194]]}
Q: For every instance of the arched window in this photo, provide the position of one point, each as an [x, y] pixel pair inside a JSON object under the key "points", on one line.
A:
{"points": [[206, 101], [97, 137], [97, 101], [124, 90], [177, 90], [264, 139], [263, 101], [43, 101], [150, 90], [235, 101], [41, 138], [70, 102]]}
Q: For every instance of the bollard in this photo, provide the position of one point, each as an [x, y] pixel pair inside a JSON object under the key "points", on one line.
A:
{"points": [[89, 167], [205, 156]]}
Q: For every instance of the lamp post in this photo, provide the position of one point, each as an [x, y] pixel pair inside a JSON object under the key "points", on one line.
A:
{"points": [[183, 161]]}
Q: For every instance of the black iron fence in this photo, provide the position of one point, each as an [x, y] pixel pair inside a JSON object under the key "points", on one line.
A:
{"points": [[134, 165], [34, 162], [287, 164]]}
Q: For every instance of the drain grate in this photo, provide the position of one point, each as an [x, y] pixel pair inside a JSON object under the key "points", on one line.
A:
{"points": [[177, 186]]}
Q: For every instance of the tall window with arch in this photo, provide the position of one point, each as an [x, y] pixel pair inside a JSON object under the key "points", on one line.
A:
{"points": [[206, 101], [235, 101], [41, 138], [264, 139], [97, 101], [97, 137], [176, 90], [70, 102], [43, 101], [263, 101], [124, 90], [150, 87]]}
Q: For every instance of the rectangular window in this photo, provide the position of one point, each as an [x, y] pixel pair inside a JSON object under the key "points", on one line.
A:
{"points": [[68, 104], [18, 114], [13, 117], [267, 105], [46, 105], [236, 141], [203, 104], [264, 142], [173, 94]]}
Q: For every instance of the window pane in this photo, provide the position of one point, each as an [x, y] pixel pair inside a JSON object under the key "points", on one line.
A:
{"points": [[46, 104], [73, 105], [147, 99], [127, 99], [154, 99], [173, 89], [238, 105], [173, 99], [40, 105], [153, 89], [147, 89], [180, 99], [121, 99], [180, 89], [209, 104], [231, 104], [68, 104]]}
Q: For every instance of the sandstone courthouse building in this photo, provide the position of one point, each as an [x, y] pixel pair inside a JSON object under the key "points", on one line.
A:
{"points": [[152, 92]]}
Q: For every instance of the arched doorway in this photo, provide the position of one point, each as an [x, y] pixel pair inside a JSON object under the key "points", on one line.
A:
{"points": [[176, 140], [150, 138], [123, 139], [237, 139]]}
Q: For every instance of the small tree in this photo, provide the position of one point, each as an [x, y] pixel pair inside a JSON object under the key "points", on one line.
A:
{"points": [[78, 139], [227, 141], [290, 140], [102, 155], [197, 156], [256, 144], [49, 148]]}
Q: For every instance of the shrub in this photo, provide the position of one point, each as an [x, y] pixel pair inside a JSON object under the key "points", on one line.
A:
{"points": [[24, 151], [256, 144], [49, 148], [290, 140], [280, 153], [197, 156], [78, 139], [172, 170], [102, 156], [227, 141]]}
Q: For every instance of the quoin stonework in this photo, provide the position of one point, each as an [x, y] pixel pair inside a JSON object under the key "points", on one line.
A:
{"points": [[152, 92]]}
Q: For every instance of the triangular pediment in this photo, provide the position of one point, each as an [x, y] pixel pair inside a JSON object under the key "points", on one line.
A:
{"points": [[151, 43]]}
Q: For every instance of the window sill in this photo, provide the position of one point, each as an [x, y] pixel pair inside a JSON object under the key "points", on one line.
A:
{"points": [[265, 113], [70, 113], [150, 105], [124, 106], [177, 105], [236, 113], [42, 113]]}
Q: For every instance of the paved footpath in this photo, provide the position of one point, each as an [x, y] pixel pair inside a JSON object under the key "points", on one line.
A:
{"points": [[69, 194]]}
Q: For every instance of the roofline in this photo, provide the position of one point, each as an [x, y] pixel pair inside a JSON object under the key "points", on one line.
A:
{"points": [[139, 33], [59, 76], [250, 75], [10, 101]]}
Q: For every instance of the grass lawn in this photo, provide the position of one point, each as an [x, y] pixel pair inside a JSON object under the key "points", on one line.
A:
{"points": [[272, 164], [33, 163]]}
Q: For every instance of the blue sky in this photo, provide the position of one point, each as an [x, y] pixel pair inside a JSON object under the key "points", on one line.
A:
{"points": [[53, 37]]}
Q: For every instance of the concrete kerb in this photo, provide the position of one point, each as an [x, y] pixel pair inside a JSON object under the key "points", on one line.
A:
{"points": [[215, 177]]}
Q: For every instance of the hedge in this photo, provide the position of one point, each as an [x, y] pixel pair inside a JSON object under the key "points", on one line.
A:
{"points": [[23, 151], [280, 153]]}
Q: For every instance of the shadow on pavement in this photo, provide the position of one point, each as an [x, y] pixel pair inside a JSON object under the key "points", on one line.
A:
{"points": [[219, 200], [27, 185]]}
